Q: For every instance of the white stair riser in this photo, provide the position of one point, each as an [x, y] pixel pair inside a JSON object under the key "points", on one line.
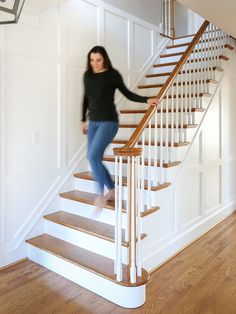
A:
{"points": [[106, 215], [129, 297], [206, 57], [215, 75], [84, 240], [162, 69], [175, 49], [89, 211], [201, 88], [183, 40], [179, 135], [155, 174], [202, 103], [188, 118]]}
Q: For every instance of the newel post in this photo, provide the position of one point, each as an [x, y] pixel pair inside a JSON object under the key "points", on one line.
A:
{"points": [[129, 157]]}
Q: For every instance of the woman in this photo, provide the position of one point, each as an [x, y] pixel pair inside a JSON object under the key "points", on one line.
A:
{"points": [[100, 82]]}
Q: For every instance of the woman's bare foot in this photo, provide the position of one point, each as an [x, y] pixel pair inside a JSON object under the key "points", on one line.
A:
{"points": [[100, 202], [110, 195]]}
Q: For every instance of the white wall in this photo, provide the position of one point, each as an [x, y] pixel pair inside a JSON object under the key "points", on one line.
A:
{"points": [[220, 13], [150, 11], [42, 61]]}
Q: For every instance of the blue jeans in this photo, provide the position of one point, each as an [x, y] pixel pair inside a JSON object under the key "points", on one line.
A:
{"points": [[100, 135]]}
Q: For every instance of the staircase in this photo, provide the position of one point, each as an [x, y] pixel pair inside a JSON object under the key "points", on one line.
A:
{"points": [[102, 251]]}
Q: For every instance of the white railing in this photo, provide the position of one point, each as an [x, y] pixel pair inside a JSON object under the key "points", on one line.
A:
{"points": [[140, 164], [167, 18]]}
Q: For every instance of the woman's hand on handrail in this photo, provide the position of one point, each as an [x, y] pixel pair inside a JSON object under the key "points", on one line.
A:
{"points": [[153, 102], [84, 127]]}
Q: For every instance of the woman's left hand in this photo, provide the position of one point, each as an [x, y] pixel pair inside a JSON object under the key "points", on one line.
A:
{"points": [[153, 102]]}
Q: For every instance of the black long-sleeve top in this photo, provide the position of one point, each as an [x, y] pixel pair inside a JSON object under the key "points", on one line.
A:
{"points": [[99, 90]]}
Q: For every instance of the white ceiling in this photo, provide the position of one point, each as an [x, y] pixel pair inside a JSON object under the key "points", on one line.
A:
{"points": [[221, 13]]}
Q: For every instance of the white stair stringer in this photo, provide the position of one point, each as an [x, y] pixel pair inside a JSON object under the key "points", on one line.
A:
{"points": [[156, 254]]}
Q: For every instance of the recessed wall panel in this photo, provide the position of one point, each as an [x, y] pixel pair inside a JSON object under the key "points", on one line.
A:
{"points": [[32, 111], [212, 187], [212, 133], [81, 30], [116, 39], [74, 103], [21, 203], [142, 45], [188, 199]]}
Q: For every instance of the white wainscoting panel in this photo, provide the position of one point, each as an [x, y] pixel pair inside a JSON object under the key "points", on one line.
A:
{"points": [[21, 204], [81, 21], [188, 199], [142, 47], [116, 39], [74, 91], [32, 108], [212, 133]]}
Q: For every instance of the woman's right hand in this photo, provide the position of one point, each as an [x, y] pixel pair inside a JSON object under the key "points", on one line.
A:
{"points": [[84, 128]]}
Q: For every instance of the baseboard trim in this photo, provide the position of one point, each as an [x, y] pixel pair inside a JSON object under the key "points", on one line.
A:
{"points": [[179, 242], [14, 264]]}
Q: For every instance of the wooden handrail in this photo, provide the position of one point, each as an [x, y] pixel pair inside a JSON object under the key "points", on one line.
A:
{"points": [[143, 123]]}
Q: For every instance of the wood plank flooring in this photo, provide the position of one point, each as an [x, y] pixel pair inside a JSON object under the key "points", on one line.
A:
{"points": [[199, 280]]}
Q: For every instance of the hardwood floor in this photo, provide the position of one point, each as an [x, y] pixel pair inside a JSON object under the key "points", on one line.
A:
{"points": [[199, 280]]}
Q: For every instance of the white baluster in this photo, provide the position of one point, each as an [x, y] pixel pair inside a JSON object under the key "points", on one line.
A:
{"points": [[116, 216], [178, 113], [133, 224], [166, 157], [161, 141], [119, 224], [139, 225]]}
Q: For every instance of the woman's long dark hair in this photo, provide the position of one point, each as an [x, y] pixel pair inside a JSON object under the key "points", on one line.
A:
{"points": [[103, 52]]}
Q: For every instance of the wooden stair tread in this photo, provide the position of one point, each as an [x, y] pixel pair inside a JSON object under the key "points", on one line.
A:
{"points": [[185, 36], [188, 95], [158, 74], [134, 125], [87, 197], [166, 55], [152, 163], [164, 64], [200, 41], [117, 141], [183, 72], [86, 225], [188, 61], [178, 45], [228, 46], [87, 175], [95, 263], [179, 84], [140, 111]]}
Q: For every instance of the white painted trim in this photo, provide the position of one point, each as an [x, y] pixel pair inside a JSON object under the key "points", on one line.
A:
{"points": [[177, 242]]}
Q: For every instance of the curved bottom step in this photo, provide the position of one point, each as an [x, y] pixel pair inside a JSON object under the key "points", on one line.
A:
{"points": [[118, 293]]}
